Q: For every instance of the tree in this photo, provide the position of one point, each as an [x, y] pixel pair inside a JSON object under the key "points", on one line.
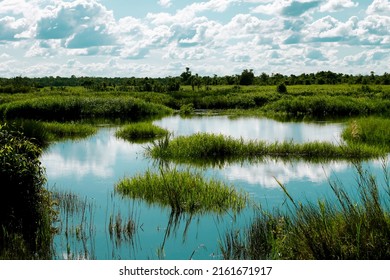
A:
{"points": [[247, 77]]}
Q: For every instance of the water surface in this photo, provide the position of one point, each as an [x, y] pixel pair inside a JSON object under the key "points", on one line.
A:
{"points": [[91, 167]]}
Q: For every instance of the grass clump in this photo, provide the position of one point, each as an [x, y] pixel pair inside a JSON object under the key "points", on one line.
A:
{"points": [[348, 228], [372, 130], [183, 191], [141, 132], [219, 148]]}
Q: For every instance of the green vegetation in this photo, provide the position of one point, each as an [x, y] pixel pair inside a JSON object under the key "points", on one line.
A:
{"points": [[76, 108], [348, 229], [141, 132], [42, 133], [183, 191], [372, 131], [25, 206], [203, 147]]}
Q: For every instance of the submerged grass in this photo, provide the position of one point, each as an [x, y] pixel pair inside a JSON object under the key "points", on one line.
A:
{"points": [[350, 228], [219, 148], [183, 191], [141, 132]]}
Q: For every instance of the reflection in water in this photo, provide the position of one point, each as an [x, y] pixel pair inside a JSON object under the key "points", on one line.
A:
{"points": [[254, 128], [91, 167], [264, 173]]}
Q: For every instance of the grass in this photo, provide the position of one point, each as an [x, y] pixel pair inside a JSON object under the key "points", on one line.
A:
{"points": [[62, 108], [76, 223], [373, 131], [183, 192], [42, 133], [214, 148], [350, 228], [141, 132]]}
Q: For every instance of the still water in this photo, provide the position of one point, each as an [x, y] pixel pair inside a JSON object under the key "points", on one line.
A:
{"points": [[91, 167]]}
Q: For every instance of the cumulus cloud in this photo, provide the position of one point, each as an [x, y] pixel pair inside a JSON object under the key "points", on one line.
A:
{"points": [[337, 5], [81, 23], [379, 7]]}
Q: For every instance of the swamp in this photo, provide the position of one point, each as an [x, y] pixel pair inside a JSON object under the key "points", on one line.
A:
{"points": [[162, 169]]}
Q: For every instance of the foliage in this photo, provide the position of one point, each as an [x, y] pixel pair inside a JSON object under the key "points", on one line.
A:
{"points": [[25, 211], [281, 88]]}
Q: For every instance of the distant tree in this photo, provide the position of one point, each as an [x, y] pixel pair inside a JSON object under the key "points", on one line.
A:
{"points": [[186, 76], [247, 77]]}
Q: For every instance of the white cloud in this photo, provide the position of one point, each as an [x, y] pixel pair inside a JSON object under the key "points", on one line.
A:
{"points": [[165, 3], [379, 7], [337, 5]]}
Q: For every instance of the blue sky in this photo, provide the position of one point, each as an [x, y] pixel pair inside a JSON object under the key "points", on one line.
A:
{"points": [[158, 38]]}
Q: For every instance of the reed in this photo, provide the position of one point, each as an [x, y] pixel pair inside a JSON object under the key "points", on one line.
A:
{"points": [[141, 132], [42, 133], [218, 148], [372, 130], [183, 191], [348, 227], [74, 107]]}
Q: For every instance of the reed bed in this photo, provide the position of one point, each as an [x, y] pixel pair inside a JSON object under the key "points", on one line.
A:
{"points": [[183, 191], [220, 148], [78, 107], [372, 130], [141, 132], [42, 133], [352, 227]]}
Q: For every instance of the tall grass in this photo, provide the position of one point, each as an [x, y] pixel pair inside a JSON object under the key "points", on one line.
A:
{"points": [[141, 132], [79, 107], [351, 227], [373, 130], [219, 148], [76, 223], [42, 133], [182, 191]]}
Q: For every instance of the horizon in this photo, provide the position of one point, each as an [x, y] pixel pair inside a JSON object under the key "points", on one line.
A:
{"points": [[160, 38]]}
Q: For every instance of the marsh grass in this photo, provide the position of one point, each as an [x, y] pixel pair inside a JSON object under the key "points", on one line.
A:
{"points": [[42, 133], [183, 191], [62, 108], [76, 224], [141, 132], [372, 130], [219, 149], [351, 227]]}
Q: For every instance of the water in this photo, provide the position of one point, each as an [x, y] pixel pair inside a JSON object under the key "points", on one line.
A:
{"points": [[91, 167]]}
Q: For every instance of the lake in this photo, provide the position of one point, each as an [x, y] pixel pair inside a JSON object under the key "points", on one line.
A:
{"points": [[92, 166]]}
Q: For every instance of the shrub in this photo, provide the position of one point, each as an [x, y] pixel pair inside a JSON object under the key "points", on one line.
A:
{"points": [[281, 88], [25, 216]]}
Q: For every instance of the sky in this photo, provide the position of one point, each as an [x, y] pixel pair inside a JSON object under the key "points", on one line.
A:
{"points": [[159, 38]]}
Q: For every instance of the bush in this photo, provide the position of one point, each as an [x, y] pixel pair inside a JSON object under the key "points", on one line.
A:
{"points": [[281, 88], [24, 212]]}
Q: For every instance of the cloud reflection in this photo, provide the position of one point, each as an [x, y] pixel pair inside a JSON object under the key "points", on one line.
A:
{"points": [[264, 173], [97, 156]]}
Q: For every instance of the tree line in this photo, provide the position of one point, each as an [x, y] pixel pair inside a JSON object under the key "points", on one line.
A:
{"points": [[21, 84]]}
